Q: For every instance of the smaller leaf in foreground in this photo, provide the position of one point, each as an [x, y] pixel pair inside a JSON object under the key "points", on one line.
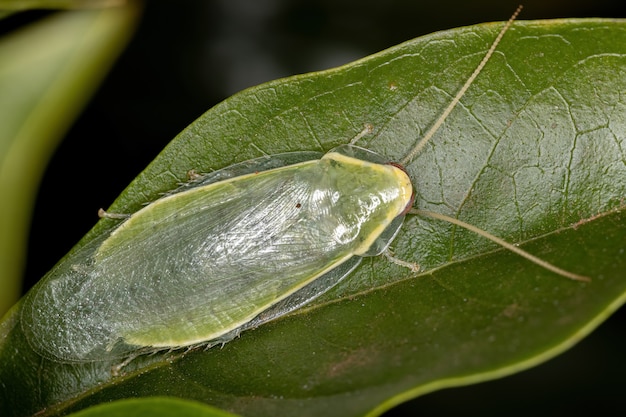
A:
{"points": [[154, 407]]}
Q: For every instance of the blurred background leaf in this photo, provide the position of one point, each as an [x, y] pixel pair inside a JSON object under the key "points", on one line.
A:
{"points": [[153, 407], [48, 71]]}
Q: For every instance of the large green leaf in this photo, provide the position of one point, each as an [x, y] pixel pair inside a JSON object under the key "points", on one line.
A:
{"points": [[534, 153]]}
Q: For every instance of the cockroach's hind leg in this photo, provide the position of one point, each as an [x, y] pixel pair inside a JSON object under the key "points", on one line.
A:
{"points": [[116, 370], [415, 268], [115, 216]]}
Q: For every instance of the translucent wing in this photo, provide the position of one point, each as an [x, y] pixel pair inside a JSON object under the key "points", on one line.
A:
{"points": [[202, 263], [196, 264]]}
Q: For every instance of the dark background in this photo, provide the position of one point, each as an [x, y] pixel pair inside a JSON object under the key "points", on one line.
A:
{"points": [[186, 56]]}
